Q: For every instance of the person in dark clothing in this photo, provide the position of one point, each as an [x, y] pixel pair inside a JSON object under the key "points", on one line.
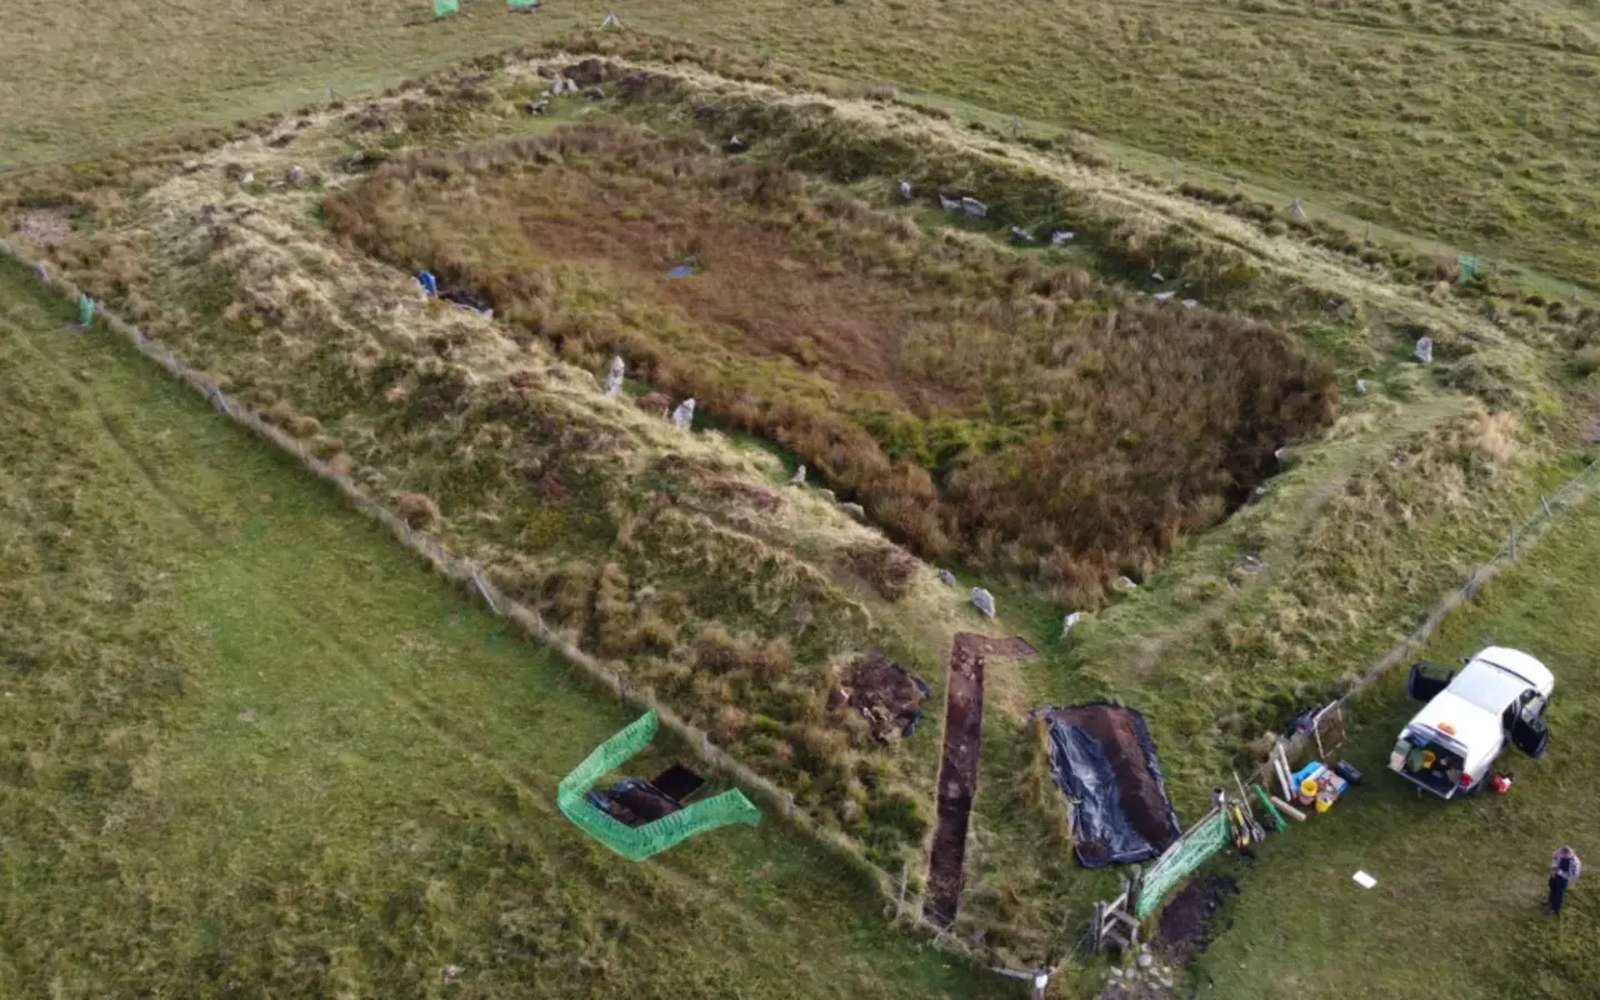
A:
{"points": [[1564, 870]]}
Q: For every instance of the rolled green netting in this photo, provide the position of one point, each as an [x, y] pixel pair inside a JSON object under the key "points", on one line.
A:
{"points": [[639, 842], [1206, 839], [85, 310], [444, 8]]}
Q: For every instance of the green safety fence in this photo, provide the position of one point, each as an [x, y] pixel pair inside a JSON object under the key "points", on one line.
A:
{"points": [[1208, 837], [444, 8], [639, 842]]}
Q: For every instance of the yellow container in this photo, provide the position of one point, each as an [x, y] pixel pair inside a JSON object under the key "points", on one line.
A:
{"points": [[1323, 805]]}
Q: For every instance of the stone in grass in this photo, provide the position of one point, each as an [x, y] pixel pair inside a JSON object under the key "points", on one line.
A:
{"points": [[1361, 387], [983, 601], [683, 416], [947, 578], [799, 477], [450, 974], [905, 190], [247, 716], [297, 175], [1145, 961], [1125, 585], [855, 510], [614, 377], [1424, 350], [1070, 622]]}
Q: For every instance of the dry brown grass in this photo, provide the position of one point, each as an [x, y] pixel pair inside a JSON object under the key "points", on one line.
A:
{"points": [[1018, 416]]}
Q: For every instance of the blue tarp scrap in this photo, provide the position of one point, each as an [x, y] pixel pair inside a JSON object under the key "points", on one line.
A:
{"points": [[681, 271], [429, 283]]}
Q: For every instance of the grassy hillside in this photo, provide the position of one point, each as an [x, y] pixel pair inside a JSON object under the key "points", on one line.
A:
{"points": [[1471, 123], [249, 746], [1457, 909]]}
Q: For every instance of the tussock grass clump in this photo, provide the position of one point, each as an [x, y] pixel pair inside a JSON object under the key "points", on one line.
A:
{"points": [[1022, 417]]}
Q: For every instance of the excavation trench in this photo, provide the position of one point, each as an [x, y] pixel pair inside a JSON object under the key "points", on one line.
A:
{"points": [[958, 773]]}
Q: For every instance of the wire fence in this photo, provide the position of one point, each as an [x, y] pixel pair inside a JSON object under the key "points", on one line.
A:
{"points": [[474, 576]]}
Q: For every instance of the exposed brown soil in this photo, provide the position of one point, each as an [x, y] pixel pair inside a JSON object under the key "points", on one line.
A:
{"points": [[1186, 921], [888, 697], [958, 779], [1143, 800]]}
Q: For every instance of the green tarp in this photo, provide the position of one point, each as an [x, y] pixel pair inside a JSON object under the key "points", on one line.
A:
{"points": [[443, 8], [639, 842]]}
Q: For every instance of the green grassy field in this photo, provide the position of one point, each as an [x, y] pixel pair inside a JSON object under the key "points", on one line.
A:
{"points": [[250, 747], [1457, 910]]}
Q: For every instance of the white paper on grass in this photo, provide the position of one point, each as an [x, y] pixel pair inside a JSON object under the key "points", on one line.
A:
{"points": [[1364, 880]]}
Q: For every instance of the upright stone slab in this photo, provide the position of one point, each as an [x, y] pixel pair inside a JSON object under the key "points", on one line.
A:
{"points": [[1424, 350], [614, 377], [983, 601], [1070, 622], [683, 416], [799, 477]]}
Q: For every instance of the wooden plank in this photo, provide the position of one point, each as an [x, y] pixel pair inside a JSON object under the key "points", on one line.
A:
{"points": [[1288, 810]]}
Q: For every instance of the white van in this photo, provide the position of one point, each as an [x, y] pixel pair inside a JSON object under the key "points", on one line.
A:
{"points": [[1498, 697]]}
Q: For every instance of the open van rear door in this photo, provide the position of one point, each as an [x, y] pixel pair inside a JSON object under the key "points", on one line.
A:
{"points": [[1427, 680]]}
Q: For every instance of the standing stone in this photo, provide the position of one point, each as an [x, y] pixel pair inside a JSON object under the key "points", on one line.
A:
{"points": [[1125, 585], [974, 208], [614, 377], [1069, 622], [1361, 387], [297, 175], [1297, 210], [905, 190], [683, 416], [799, 477], [855, 510], [947, 578], [983, 601], [1424, 350]]}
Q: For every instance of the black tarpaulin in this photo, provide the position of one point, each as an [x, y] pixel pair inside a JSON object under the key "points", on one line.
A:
{"points": [[1102, 758]]}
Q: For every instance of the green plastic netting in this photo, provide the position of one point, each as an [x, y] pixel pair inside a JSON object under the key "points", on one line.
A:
{"points": [[1207, 838], [85, 310], [639, 842], [524, 4], [442, 8]]}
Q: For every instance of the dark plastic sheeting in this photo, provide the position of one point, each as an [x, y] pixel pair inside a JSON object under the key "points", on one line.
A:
{"points": [[1102, 832]]}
